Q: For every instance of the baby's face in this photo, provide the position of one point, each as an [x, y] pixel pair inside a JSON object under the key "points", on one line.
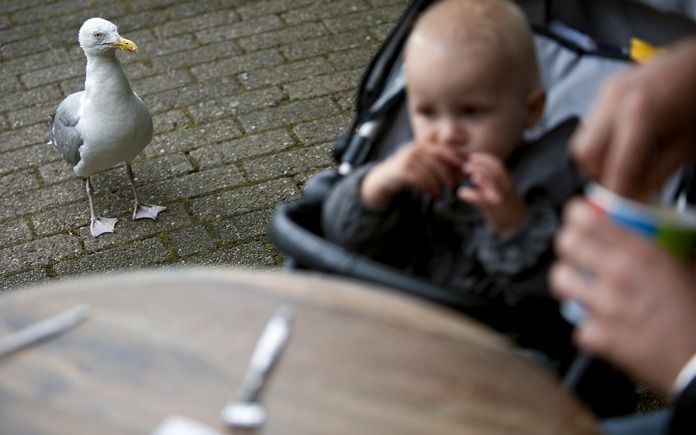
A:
{"points": [[464, 98]]}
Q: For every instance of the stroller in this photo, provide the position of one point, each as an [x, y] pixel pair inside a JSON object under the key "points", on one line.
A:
{"points": [[579, 44]]}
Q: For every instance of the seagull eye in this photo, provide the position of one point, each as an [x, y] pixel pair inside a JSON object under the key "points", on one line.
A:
{"points": [[97, 35]]}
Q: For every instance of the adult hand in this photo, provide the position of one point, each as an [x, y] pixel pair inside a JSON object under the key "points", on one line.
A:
{"points": [[430, 168], [641, 126], [494, 193], [641, 300]]}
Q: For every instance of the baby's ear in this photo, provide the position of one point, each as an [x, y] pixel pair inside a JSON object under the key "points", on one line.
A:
{"points": [[536, 99]]}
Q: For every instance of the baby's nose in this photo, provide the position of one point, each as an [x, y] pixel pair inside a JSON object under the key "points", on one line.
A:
{"points": [[452, 133]]}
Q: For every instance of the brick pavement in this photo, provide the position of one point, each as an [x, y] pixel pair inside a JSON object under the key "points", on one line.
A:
{"points": [[246, 97]]}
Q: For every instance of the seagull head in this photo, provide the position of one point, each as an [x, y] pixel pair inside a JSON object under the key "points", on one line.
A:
{"points": [[98, 36]]}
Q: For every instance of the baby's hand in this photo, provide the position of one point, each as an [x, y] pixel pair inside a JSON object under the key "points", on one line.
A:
{"points": [[427, 167], [494, 193]]}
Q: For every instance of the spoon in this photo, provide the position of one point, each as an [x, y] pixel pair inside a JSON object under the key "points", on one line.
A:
{"points": [[247, 411]]}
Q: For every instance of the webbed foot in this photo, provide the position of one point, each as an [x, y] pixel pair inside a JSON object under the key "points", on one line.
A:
{"points": [[101, 225], [145, 211]]}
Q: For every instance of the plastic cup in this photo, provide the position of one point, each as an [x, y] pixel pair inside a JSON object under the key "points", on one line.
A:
{"points": [[672, 229]]}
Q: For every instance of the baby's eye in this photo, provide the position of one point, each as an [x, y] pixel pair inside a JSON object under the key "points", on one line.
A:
{"points": [[469, 111], [97, 35], [427, 112]]}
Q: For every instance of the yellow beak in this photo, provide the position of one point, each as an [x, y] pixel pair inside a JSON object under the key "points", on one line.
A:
{"points": [[125, 45]]}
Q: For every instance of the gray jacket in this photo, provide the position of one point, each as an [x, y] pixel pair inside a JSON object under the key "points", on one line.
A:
{"points": [[447, 242]]}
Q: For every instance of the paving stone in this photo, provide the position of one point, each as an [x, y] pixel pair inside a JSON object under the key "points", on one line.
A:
{"points": [[289, 163], [28, 156], [280, 37], [20, 280], [161, 82], [31, 97], [244, 200], [237, 30], [67, 26], [237, 64], [192, 8], [296, 112], [135, 70], [346, 100], [256, 254], [186, 139], [304, 69], [64, 218], [354, 58], [48, 11], [169, 121], [70, 86], [13, 232], [207, 53], [134, 255], [40, 252], [128, 230], [150, 45], [20, 32], [382, 31], [38, 44], [4, 123], [192, 185], [301, 178], [326, 44], [401, 3], [267, 7], [322, 130], [192, 240], [19, 181], [9, 84], [35, 61], [364, 19], [196, 23], [56, 172], [13, 5], [192, 94], [21, 203], [138, 21], [249, 146], [252, 255], [324, 84], [53, 74], [318, 10], [32, 115], [212, 109], [243, 227]]}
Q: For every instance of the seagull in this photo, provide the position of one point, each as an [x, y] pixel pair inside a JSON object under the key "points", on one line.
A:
{"points": [[105, 124]]}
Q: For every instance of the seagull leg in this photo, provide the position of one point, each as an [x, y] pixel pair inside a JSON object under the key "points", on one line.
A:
{"points": [[141, 210], [98, 225]]}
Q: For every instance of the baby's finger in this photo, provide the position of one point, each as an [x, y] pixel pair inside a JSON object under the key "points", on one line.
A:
{"points": [[487, 186], [470, 195], [490, 169]]}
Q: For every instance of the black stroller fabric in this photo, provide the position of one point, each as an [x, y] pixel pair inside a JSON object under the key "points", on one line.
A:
{"points": [[579, 45]]}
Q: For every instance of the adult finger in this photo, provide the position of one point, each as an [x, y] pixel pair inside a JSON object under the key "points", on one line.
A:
{"points": [[589, 143], [569, 282], [632, 147]]}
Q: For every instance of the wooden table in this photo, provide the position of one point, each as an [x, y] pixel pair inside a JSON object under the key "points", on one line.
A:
{"points": [[360, 359]]}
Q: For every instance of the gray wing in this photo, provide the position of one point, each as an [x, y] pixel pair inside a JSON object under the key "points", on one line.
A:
{"points": [[63, 132]]}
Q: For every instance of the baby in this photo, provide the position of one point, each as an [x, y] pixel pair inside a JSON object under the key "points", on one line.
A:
{"points": [[465, 205], [473, 88]]}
